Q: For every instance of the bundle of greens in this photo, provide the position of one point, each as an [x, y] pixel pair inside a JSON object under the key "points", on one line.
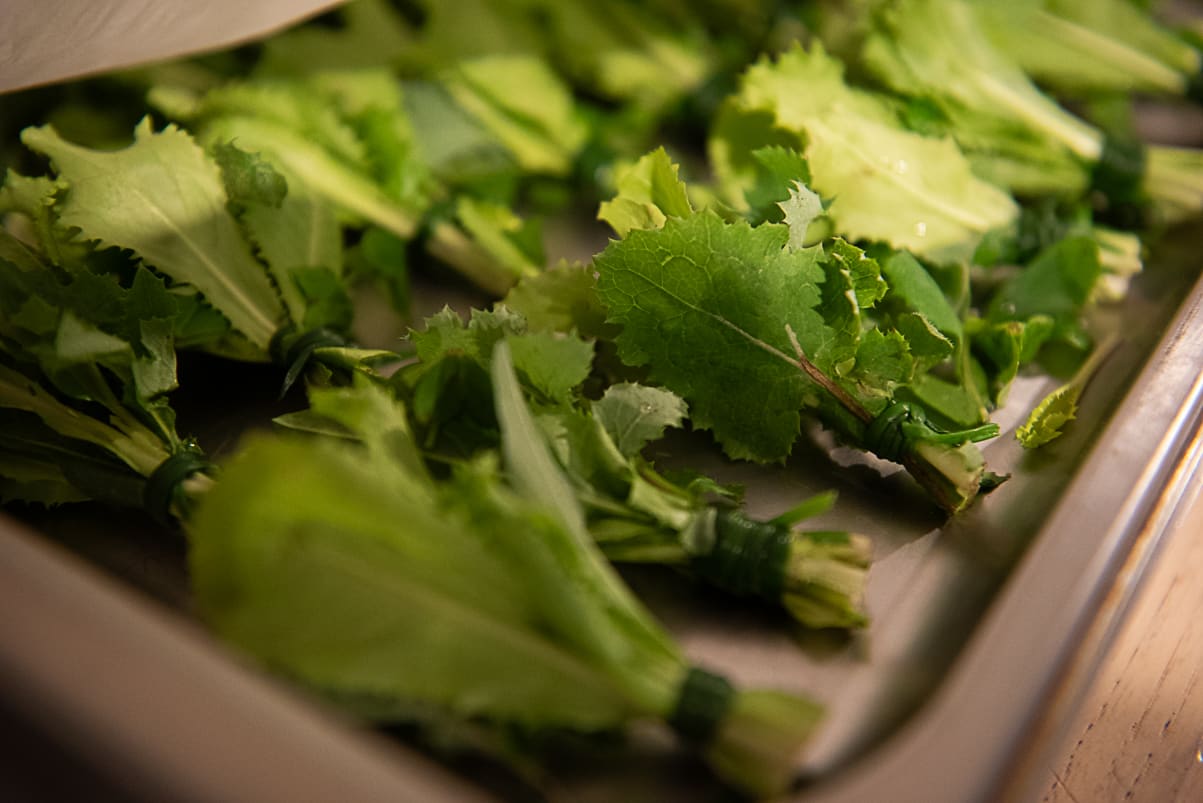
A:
{"points": [[751, 326], [883, 184], [939, 54], [899, 224], [347, 567], [85, 367], [259, 260], [1087, 47], [634, 512]]}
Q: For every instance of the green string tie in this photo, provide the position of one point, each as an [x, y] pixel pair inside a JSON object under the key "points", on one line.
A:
{"points": [[164, 485], [748, 558], [902, 425], [294, 351], [701, 705]]}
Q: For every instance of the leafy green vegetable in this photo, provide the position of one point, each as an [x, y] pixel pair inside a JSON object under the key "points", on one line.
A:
{"points": [[939, 52], [543, 633], [649, 192], [162, 199], [1047, 420], [885, 183], [634, 513], [85, 368], [750, 332], [343, 137], [1086, 47]]}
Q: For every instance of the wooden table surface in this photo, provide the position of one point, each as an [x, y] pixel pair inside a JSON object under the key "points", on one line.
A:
{"points": [[1139, 735]]}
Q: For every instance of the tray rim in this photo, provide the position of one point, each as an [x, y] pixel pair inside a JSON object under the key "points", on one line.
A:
{"points": [[965, 741]]}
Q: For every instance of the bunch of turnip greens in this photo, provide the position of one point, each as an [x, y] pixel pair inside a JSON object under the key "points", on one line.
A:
{"points": [[490, 575], [252, 206], [481, 594], [634, 512], [896, 222]]}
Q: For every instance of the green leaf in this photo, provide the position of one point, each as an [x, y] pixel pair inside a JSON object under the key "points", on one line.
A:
{"points": [[514, 245], [525, 105], [316, 131], [927, 344], [887, 183], [938, 50], [618, 616], [307, 558], [247, 178], [552, 365], [164, 200], [635, 415], [798, 211], [705, 305], [777, 169], [1046, 422], [1057, 284], [295, 233], [868, 286], [946, 402], [649, 192], [916, 289], [1082, 48], [562, 298]]}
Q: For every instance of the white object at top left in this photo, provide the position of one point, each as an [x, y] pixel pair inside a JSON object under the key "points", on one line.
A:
{"points": [[42, 41]]}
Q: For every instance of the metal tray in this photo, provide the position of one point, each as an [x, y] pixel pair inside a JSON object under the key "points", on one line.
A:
{"points": [[974, 620]]}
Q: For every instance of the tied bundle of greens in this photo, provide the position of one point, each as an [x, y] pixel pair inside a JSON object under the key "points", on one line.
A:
{"points": [[633, 511], [85, 368], [347, 567], [751, 326], [1088, 47], [939, 54], [260, 260], [442, 160]]}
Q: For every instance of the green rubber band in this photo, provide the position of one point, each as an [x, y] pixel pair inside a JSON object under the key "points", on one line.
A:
{"points": [[747, 558], [163, 486], [299, 349], [702, 703], [1120, 171], [887, 436]]}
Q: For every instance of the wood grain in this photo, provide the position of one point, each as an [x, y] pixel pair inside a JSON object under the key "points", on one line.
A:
{"points": [[1139, 733]]}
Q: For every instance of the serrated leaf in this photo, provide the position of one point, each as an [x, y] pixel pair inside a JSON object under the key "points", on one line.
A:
{"points": [[927, 344], [163, 199], [883, 362], [649, 192], [635, 415], [551, 364], [798, 211], [777, 168], [867, 283], [562, 298], [1046, 421], [887, 184], [705, 305]]}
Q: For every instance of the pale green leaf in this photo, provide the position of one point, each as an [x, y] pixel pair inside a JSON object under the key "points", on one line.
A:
{"points": [[163, 199]]}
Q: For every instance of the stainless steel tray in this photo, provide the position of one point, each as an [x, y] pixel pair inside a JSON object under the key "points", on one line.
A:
{"points": [[974, 619]]}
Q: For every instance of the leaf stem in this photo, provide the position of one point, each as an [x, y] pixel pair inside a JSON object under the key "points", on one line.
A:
{"points": [[824, 381]]}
